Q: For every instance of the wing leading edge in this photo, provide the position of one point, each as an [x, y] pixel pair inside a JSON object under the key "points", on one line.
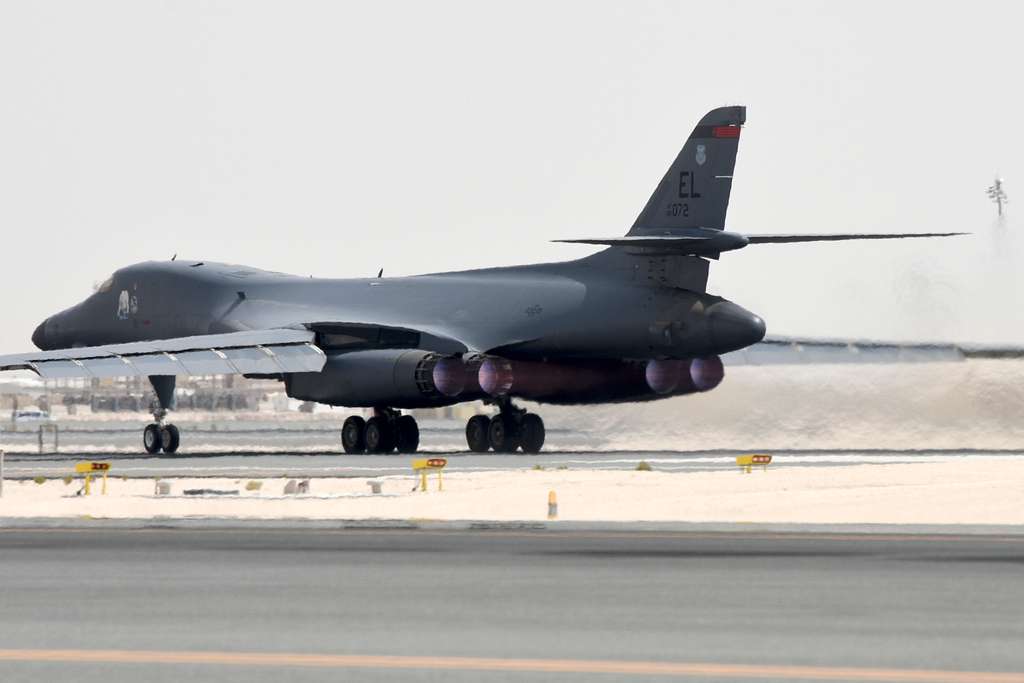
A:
{"points": [[257, 352]]}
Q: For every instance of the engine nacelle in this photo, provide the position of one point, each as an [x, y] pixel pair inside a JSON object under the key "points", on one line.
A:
{"points": [[580, 382], [397, 378], [413, 378]]}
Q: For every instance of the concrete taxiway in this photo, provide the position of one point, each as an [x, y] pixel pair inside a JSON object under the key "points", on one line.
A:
{"points": [[316, 604]]}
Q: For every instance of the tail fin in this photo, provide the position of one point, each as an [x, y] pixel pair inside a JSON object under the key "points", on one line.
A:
{"points": [[695, 191]]}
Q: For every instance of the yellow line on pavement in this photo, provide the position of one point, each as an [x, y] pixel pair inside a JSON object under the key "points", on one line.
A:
{"points": [[576, 666]]}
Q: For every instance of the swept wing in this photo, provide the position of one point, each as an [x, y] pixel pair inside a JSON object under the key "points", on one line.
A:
{"points": [[248, 352]]}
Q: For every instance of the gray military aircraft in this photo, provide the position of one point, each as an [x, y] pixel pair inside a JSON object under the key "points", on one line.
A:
{"points": [[633, 322]]}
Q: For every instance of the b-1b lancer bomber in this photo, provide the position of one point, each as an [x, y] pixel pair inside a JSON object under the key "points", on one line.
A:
{"points": [[633, 322]]}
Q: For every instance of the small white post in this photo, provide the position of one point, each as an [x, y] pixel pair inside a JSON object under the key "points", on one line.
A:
{"points": [[1, 473]]}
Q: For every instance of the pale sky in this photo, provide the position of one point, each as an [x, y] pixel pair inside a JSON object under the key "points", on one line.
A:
{"points": [[333, 139]]}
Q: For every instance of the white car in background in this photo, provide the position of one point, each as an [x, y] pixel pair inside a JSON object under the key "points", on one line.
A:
{"points": [[31, 416]]}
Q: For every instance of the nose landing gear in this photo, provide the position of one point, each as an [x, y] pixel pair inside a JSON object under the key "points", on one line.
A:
{"points": [[387, 431], [159, 436], [511, 429]]}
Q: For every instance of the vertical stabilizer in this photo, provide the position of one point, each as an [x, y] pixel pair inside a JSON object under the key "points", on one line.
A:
{"points": [[695, 191]]}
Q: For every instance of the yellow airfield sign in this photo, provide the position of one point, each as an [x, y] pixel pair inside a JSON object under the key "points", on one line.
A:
{"points": [[746, 462], [424, 465], [429, 463], [84, 467], [90, 468]]}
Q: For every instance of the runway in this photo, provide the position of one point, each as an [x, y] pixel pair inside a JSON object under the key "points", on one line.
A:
{"points": [[310, 463], [263, 604]]}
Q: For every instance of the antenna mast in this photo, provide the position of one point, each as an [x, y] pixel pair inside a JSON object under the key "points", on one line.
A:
{"points": [[998, 195]]}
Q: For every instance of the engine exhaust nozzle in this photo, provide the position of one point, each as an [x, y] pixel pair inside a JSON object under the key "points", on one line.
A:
{"points": [[495, 376], [668, 376]]}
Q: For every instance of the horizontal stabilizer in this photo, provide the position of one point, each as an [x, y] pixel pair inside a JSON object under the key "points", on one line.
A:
{"points": [[688, 242], [711, 243], [788, 239], [683, 242]]}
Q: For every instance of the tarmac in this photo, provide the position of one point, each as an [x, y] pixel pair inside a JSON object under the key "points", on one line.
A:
{"points": [[509, 603], [279, 462]]}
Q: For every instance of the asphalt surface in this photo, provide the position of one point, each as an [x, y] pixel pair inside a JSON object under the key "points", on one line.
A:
{"points": [[320, 604], [299, 463]]}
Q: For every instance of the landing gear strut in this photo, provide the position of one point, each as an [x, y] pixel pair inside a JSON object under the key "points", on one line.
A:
{"points": [[159, 436], [511, 429], [387, 431]]}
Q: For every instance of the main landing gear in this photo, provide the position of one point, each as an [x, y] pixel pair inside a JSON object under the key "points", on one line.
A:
{"points": [[511, 429], [388, 430], [159, 436]]}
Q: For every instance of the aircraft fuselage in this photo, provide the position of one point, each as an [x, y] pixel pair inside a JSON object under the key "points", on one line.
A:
{"points": [[570, 315]]}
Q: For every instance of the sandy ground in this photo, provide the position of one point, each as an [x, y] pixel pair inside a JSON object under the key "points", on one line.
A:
{"points": [[976, 490]]}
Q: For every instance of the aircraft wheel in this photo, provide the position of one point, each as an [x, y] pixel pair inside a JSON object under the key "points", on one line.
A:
{"points": [[169, 438], [477, 433], [378, 436], [151, 438], [407, 434], [353, 435], [503, 434], [531, 434]]}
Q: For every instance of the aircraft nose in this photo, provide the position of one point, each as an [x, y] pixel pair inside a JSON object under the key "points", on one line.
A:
{"points": [[734, 327], [39, 336]]}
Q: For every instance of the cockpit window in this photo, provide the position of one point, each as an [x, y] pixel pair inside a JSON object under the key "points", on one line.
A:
{"points": [[106, 285]]}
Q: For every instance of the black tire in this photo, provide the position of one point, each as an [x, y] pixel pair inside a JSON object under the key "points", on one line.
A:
{"points": [[169, 438], [353, 435], [477, 433], [151, 438], [503, 434], [531, 433], [407, 434], [378, 436]]}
